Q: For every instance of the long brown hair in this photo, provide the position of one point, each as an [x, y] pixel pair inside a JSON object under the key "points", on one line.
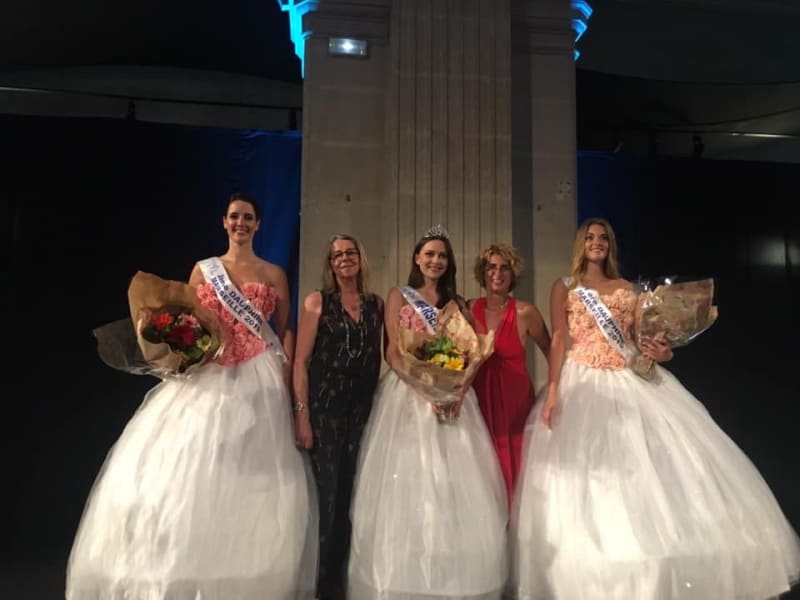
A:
{"points": [[446, 285]]}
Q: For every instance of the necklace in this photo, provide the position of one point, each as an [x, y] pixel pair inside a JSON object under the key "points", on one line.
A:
{"points": [[359, 326], [501, 307]]}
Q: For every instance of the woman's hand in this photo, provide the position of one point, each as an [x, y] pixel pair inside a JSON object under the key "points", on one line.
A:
{"points": [[657, 349], [449, 412], [549, 409], [304, 437]]}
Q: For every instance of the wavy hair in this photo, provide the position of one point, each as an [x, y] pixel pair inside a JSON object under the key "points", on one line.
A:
{"points": [[509, 253]]}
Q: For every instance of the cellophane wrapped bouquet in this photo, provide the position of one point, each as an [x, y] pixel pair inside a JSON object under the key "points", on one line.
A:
{"points": [[169, 333], [674, 312], [441, 363]]}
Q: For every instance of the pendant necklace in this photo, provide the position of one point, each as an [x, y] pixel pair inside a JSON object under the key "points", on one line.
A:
{"points": [[360, 326]]}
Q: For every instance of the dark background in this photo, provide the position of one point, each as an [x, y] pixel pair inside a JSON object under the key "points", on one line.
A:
{"points": [[95, 200], [91, 201], [729, 220]]}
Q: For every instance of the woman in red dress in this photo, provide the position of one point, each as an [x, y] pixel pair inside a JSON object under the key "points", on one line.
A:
{"points": [[503, 385]]}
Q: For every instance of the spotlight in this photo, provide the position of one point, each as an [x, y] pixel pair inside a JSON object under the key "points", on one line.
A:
{"points": [[347, 47]]}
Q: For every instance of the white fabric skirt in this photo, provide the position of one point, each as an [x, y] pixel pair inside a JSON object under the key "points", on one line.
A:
{"points": [[636, 493], [430, 510], [203, 497]]}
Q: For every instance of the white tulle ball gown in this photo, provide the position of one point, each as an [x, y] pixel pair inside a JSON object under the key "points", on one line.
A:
{"points": [[204, 496], [637, 494], [430, 509]]}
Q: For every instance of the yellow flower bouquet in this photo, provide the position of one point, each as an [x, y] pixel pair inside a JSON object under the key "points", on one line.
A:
{"points": [[440, 364]]}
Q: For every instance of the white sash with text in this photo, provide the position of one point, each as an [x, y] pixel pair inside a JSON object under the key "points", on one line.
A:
{"points": [[427, 313], [236, 303]]}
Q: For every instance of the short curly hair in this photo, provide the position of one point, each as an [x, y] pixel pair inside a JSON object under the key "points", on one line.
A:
{"points": [[509, 253]]}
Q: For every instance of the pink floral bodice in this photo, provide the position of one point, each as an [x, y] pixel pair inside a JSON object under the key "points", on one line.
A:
{"points": [[240, 343], [589, 346], [409, 319]]}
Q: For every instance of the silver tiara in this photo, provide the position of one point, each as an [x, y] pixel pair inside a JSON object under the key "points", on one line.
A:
{"points": [[436, 231]]}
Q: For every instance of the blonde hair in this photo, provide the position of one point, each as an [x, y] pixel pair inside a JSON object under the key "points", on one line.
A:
{"points": [[578, 266], [509, 253], [329, 284]]}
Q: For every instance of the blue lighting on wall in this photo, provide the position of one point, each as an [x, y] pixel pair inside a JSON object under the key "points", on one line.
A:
{"points": [[582, 12], [296, 10]]}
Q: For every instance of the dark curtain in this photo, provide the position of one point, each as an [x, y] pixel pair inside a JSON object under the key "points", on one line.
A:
{"points": [[89, 202], [736, 222]]}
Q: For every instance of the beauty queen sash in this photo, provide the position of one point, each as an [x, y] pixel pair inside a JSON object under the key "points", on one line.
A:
{"points": [[236, 303], [605, 320], [426, 312]]}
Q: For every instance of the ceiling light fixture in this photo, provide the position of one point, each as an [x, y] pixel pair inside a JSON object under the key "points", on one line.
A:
{"points": [[347, 47]]}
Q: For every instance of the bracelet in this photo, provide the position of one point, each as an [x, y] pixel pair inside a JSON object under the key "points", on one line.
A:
{"points": [[299, 407]]}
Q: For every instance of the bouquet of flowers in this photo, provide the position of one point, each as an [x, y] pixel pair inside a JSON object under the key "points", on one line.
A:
{"points": [[443, 352], [674, 312], [441, 363], [169, 334], [182, 332]]}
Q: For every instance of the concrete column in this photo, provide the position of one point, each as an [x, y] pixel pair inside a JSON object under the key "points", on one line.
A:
{"points": [[544, 161], [463, 114], [416, 134], [345, 168], [449, 110]]}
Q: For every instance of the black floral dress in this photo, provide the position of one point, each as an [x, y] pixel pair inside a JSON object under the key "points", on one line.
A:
{"points": [[343, 374]]}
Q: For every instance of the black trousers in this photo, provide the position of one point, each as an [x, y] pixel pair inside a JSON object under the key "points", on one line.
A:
{"points": [[333, 458]]}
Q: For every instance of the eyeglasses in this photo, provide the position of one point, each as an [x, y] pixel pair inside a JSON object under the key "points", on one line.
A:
{"points": [[490, 268], [340, 254]]}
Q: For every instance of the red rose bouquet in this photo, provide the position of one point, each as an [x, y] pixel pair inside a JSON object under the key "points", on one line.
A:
{"points": [[169, 334], [176, 333], [182, 332]]}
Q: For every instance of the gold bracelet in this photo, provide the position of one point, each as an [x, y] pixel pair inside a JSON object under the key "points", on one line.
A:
{"points": [[299, 407]]}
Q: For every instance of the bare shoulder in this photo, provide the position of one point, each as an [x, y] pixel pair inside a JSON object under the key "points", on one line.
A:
{"points": [[527, 310], [623, 284], [395, 295], [524, 307], [560, 286], [395, 300], [273, 274], [196, 278], [313, 302]]}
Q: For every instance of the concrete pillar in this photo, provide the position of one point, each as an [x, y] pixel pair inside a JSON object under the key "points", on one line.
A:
{"points": [[462, 114], [544, 161], [345, 166], [450, 127], [416, 134]]}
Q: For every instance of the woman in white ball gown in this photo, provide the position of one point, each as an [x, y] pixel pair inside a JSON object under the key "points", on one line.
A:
{"points": [[430, 510], [204, 496], [629, 490]]}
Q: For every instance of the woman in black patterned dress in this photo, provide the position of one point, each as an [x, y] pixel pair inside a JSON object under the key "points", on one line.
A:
{"points": [[337, 362]]}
